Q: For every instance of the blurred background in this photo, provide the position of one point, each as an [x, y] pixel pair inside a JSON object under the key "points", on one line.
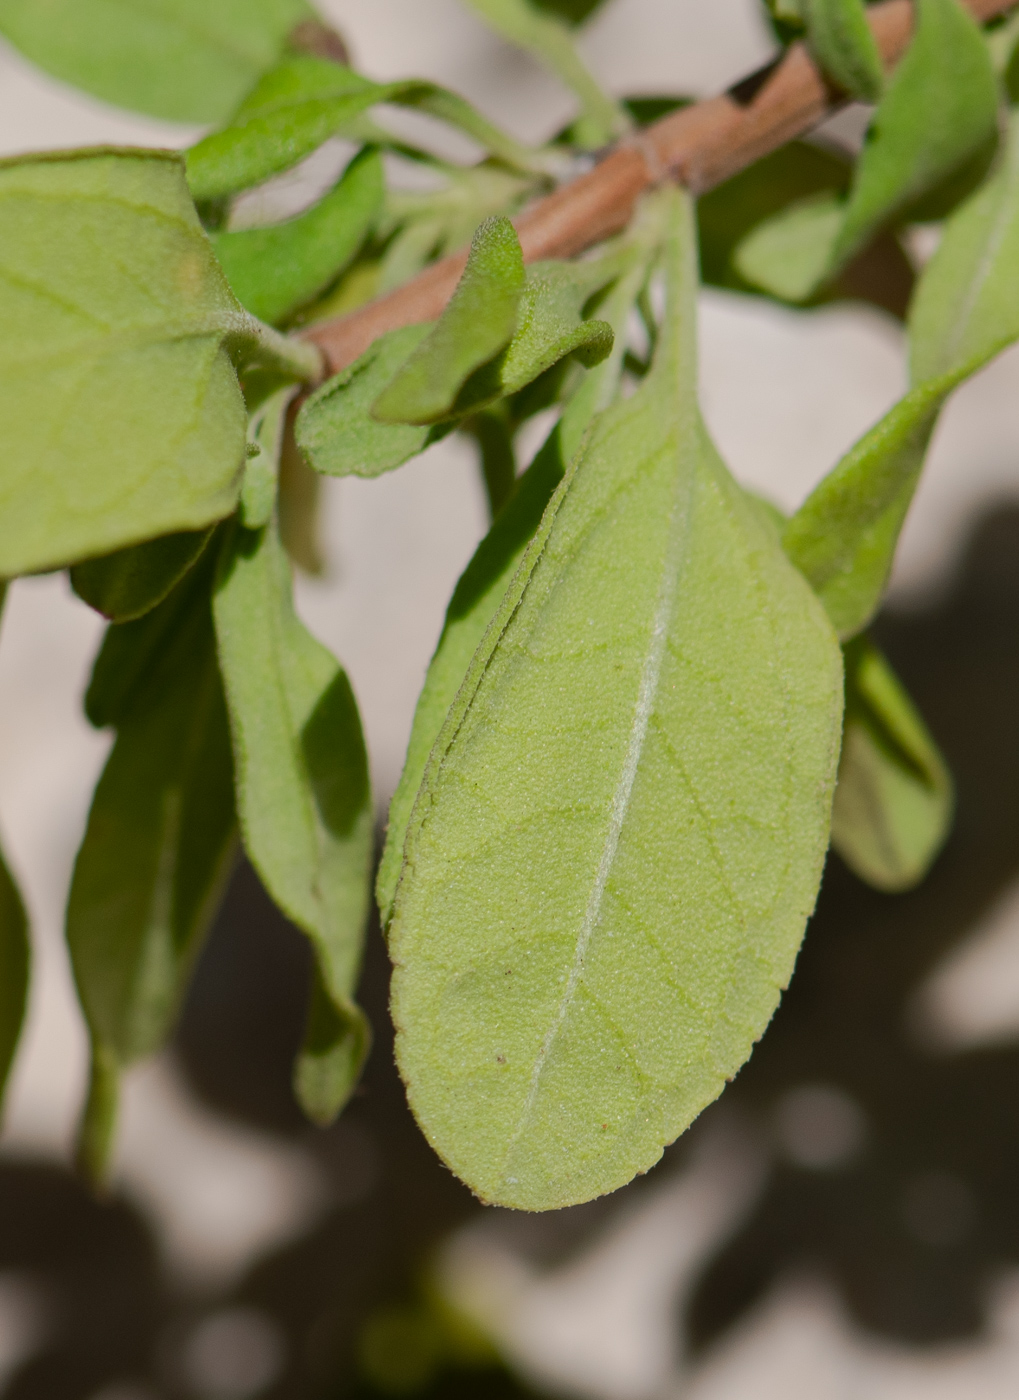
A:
{"points": [[844, 1223]]}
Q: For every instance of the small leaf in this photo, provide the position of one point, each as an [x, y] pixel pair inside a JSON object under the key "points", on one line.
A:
{"points": [[303, 795], [966, 310], [478, 322], [940, 107], [278, 269], [182, 60], [120, 414], [302, 103], [842, 42], [160, 836], [789, 255], [335, 428], [261, 475], [127, 584], [894, 799], [623, 821], [547, 37], [483, 584]]}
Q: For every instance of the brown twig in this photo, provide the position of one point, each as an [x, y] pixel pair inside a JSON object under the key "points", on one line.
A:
{"points": [[700, 146]]}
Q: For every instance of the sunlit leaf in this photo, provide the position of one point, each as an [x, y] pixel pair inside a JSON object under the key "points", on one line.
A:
{"points": [[966, 310], [478, 322], [789, 256], [183, 60], [160, 836], [894, 798], [120, 413], [622, 823], [483, 584], [303, 796], [276, 270], [305, 101], [335, 428]]}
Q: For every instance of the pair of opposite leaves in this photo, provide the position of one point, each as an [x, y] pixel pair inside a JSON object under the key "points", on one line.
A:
{"points": [[938, 116], [516, 997]]}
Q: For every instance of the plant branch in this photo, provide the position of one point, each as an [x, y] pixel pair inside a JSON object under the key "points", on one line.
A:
{"points": [[700, 146]]}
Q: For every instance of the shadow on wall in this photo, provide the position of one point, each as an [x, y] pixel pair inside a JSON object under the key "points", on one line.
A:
{"points": [[894, 1164]]}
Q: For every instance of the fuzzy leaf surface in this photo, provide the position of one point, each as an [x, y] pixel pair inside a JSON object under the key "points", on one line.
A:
{"points": [[182, 60], [120, 413], [842, 42], [622, 824], [303, 797], [483, 584], [276, 270], [478, 322], [335, 429], [965, 310], [130, 582], [894, 799], [160, 837], [302, 103]]}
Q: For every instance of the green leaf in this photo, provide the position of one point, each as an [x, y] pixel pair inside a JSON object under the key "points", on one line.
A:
{"points": [[894, 799], [127, 584], [940, 107], [842, 43], [548, 38], [335, 429], [478, 322], [483, 584], [965, 310], [278, 269], [182, 60], [727, 214], [302, 103], [303, 795], [935, 125], [160, 836], [15, 958], [623, 821], [789, 255], [121, 414], [261, 474]]}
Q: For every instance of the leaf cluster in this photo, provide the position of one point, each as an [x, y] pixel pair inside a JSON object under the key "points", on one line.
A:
{"points": [[654, 701]]}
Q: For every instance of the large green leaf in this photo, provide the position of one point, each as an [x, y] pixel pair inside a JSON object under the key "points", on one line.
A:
{"points": [[966, 309], [278, 269], [160, 836], [120, 413], [478, 322], [305, 101], [894, 798], [622, 824], [483, 584], [303, 795], [183, 60], [546, 36], [841, 38]]}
